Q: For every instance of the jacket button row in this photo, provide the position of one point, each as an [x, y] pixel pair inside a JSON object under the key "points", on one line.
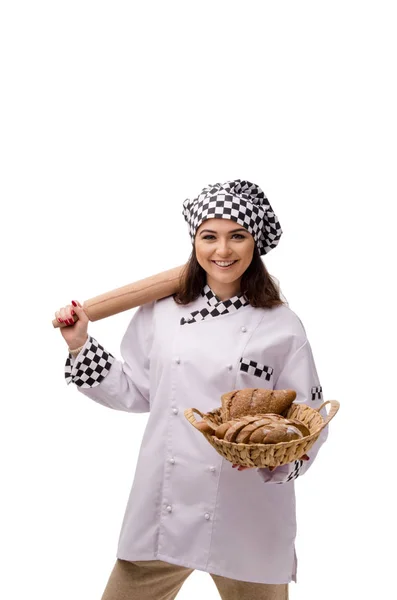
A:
{"points": [[230, 367], [175, 411], [207, 515], [172, 461], [243, 329]]}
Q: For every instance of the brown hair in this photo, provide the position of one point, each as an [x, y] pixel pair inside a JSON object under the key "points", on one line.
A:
{"points": [[256, 284]]}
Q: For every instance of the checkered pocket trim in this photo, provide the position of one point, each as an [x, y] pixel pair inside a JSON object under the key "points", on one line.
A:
{"points": [[317, 393], [254, 368], [92, 368]]}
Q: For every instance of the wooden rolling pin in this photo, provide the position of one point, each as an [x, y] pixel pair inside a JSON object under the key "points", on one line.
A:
{"points": [[129, 296]]}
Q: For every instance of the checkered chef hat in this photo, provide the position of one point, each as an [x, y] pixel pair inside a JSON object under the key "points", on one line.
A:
{"points": [[240, 201]]}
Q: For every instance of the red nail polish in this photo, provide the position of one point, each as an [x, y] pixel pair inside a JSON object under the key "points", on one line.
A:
{"points": [[74, 303], [59, 320], [73, 312], [71, 321]]}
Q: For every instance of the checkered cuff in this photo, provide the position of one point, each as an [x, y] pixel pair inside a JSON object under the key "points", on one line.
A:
{"points": [[90, 366], [282, 474]]}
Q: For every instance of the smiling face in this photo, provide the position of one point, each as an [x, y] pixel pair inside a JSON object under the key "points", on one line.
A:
{"points": [[224, 240]]}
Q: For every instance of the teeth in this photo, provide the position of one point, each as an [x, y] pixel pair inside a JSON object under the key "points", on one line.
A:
{"points": [[223, 264]]}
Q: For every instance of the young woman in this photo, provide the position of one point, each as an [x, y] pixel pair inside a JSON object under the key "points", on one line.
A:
{"points": [[227, 328]]}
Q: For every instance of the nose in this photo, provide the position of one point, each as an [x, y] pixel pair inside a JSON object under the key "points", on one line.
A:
{"points": [[223, 250]]}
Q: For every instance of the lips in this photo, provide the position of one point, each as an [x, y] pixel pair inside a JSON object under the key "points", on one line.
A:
{"points": [[227, 267], [228, 261]]}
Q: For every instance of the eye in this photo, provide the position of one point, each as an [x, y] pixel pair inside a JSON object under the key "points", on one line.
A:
{"points": [[208, 235]]}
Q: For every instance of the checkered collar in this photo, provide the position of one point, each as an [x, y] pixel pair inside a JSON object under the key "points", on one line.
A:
{"points": [[215, 307]]}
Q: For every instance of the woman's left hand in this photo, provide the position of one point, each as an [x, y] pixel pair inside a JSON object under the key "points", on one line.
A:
{"points": [[241, 468]]}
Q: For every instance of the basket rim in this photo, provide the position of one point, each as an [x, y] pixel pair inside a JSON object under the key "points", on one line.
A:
{"points": [[255, 444]]}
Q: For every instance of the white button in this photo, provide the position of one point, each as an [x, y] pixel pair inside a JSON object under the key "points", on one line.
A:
{"points": [[172, 461], [207, 516], [169, 508], [175, 411], [177, 360], [243, 329], [212, 469], [230, 367]]}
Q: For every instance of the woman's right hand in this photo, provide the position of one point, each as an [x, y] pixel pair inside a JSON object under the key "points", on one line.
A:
{"points": [[74, 333]]}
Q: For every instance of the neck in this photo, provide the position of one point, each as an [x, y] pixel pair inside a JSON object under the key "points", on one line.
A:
{"points": [[224, 291]]}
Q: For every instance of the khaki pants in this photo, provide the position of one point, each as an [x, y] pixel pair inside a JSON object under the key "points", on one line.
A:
{"points": [[158, 580]]}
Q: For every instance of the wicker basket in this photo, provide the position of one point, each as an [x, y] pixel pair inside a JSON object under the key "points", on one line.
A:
{"points": [[269, 455]]}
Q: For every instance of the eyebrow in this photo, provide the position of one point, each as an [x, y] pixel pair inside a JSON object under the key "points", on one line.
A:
{"points": [[232, 231]]}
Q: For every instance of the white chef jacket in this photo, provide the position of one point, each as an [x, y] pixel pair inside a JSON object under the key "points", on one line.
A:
{"points": [[187, 505]]}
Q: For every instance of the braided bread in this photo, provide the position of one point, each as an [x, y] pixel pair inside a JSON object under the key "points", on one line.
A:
{"points": [[265, 429], [259, 429]]}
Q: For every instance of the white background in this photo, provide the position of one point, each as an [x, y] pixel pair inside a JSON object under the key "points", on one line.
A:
{"points": [[112, 113]]}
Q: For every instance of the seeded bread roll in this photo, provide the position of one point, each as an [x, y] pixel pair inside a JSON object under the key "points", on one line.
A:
{"points": [[252, 401]]}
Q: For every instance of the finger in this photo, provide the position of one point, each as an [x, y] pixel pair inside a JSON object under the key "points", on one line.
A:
{"points": [[79, 310], [62, 314], [66, 315], [76, 304]]}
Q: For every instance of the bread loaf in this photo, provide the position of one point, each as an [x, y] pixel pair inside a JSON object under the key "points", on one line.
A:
{"points": [[252, 401]]}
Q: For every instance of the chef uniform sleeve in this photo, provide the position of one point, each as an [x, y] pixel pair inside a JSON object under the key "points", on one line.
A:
{"points": [[118, 384], [300, 374]]}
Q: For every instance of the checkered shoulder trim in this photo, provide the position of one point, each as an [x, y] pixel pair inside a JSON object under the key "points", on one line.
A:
{"points": [[93, 366]]}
